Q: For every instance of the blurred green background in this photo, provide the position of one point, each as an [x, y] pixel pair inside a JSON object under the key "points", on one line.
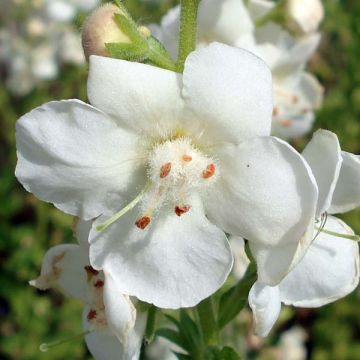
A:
{"points": [[29, 227]]}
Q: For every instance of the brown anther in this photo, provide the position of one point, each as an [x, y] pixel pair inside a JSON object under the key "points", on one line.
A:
{"points": [[165, 170], [186, 158], [143, 222], [209, 171], [91, 314], [90, 270], [286, 123], [182, 209], [99, 284], [275, 111]]}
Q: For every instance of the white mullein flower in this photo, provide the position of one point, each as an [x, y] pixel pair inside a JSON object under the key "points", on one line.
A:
{"points": [[186, 157], [330, 267], [113, 331]]}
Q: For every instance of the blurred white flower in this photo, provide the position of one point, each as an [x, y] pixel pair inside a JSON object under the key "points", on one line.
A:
{"points": [[304, 16], [330, 267], [297, 94], [292, 344], [186, 158], [113, 330]]}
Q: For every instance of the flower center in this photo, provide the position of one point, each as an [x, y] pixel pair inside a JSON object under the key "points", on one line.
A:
{"points": [[176, 170]]}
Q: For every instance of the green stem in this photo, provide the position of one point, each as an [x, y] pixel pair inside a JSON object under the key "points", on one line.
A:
{"points": [[339, 235], [208, 321], [187, 39], [151, 324], [276, 14]]}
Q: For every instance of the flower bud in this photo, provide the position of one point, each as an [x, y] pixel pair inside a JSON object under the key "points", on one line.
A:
{"points": [[100, 28], [304, 16]]}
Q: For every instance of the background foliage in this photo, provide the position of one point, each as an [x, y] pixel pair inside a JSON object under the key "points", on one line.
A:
{"points": [[29, 227]]}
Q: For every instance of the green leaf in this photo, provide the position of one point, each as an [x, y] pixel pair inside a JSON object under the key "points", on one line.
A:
{"points": [[151, 324], [172, 336], [234, 300], [226, 353], [128, 27], [130, 52]]}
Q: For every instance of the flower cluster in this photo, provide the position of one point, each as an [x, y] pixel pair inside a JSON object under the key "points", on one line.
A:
{"points": [[171, 173], [33, 48]]}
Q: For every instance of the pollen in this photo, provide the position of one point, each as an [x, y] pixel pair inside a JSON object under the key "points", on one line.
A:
{"points": [[186, 158], [99, 284], [165, 170], [91, 314], [182, 209], [143, 222], [209, 171]]}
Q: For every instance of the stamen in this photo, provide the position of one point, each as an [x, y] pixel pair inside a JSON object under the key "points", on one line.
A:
{"points": [[182, 209], [143, 222], [90, 270], [92, 314], [165, 170], [47, 346], [123, 211], [209, 171], [186, 158], [99, 284]]}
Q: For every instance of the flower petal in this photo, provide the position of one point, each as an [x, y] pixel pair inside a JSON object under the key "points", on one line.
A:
{"points": [[241, 261], [63, 268], [265, 304], [323, 154], [103, 345], [265, 193], [347, 191], [74, 156], [175, 262], [228, 94], [328, 271], [141, 96], [219, 20]]}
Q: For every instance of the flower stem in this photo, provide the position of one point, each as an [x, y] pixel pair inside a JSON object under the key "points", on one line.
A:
{"points": [[339, 235], [208, 321], [187, 40]]}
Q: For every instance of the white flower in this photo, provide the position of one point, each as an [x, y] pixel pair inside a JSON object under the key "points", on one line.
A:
{"points": [[304, 16], [114, 334], [330, 267], [191, 154], [66, 10], [296, 93], [292, 344]]}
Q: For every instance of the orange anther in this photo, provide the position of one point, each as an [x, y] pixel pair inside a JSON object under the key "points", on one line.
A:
{"points": [[90, 270], [165, 170], [143, 222], [187, 158], [182, 209], [91, 315], [209, 171], [99, 284]]}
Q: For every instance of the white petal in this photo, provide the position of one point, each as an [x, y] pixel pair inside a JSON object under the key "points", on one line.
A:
{"points": [[219, 20], [228, 93], [82, 233], [74, 156], [175, 262], [63, 268], [120, 312], [328, 271], [265, 304], [266, 193], [347, 192], [103, 345], [241, 261], [141, 96], [323, 154]]}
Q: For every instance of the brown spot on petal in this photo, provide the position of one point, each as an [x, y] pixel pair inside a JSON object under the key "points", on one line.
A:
{"points": [[182, 209], [90, 270], [99, 284], [165, 170], [209, 171], [143, 222], [91, 314]]}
